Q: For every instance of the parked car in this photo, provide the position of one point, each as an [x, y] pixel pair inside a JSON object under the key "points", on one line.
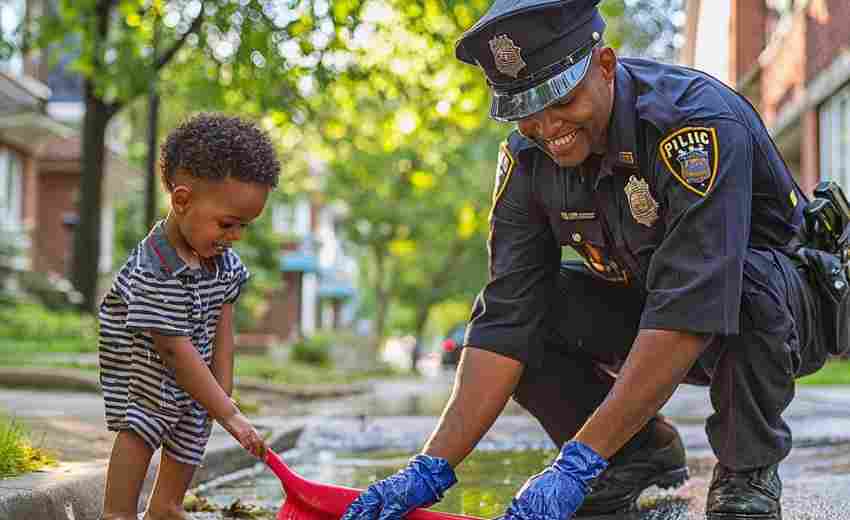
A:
{"points": [[452, 345]]}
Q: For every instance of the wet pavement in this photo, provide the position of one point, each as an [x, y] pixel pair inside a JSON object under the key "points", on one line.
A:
{"points": [[817, 483], [347, 441]]}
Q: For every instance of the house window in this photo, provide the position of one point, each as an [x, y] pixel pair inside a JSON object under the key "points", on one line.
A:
{"points": [[835, 139], [11, 193], [780, 14], [11, 17]]}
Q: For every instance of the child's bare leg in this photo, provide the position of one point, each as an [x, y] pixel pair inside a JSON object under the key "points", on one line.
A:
{"points": [[128, 465], [172, 482]]}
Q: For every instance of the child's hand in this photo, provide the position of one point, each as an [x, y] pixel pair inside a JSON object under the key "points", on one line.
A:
{"points": [[242, 431]]}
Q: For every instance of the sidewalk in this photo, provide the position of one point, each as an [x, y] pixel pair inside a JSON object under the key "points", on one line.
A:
{"points": [[73, 490], [69, 423]]}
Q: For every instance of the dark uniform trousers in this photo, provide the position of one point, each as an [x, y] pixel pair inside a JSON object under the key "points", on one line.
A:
{"points": [[751, 375]]}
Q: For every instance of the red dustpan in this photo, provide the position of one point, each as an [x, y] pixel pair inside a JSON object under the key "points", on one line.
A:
{"points": [[308, 500]]}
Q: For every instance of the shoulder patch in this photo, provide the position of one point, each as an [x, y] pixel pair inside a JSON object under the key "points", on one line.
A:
{"points": [[504, 168], [691, 155]]}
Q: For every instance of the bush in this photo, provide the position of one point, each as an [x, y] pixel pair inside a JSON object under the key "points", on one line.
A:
{"points": [[53, 291], [17, 455], [31, 324], [315, 350], [11, 247]]}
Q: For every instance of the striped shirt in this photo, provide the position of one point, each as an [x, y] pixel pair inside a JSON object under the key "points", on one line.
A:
{"points": [[156, 291]]}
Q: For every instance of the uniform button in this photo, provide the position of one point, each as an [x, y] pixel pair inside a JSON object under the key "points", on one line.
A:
{"points": [[576, 237]]}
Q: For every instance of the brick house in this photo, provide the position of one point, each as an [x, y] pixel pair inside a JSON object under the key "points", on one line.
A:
{"points": [[791, 58], [40, 110], [317, 275]]}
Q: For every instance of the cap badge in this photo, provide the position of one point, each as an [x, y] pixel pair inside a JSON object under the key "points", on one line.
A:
{"points": [[507, 55], [643, 206]]}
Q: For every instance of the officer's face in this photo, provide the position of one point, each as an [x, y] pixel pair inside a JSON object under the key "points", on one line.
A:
{"points": [[576, 126]]}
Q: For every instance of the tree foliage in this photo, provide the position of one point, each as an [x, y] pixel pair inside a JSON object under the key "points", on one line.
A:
{"points": [[412, 154], [251, 50], [368, 88]]}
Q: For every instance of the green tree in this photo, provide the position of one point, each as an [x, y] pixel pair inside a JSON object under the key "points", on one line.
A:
{"points": [[413, 154], [409, 154], [252, 46]]}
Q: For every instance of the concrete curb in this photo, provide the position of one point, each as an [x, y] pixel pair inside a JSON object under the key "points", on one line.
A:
{"points": [[75, 491], [83, 381], [67, 492], [42, 378], [312, 391]]}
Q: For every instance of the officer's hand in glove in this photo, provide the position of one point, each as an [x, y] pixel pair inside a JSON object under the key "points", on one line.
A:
{"points": [[421, 484], [558, 491]]}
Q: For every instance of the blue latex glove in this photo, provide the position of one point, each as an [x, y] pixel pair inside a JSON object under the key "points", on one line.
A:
{"points": [[558, 491], [421, 484]]}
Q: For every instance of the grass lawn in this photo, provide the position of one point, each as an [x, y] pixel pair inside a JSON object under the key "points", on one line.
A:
{"points": [[284, 371], [54, 353], [17, 455], [31, 335], [273, 370], [835, 372]]}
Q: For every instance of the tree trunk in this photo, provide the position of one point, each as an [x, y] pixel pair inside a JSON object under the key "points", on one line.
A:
{"points": [[153, 131], [422, 315], [438, 282], [152, 177], [84, 274], [381, 296]]}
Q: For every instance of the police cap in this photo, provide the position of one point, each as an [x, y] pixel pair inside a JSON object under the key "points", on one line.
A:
{"points": [[533, 52]]}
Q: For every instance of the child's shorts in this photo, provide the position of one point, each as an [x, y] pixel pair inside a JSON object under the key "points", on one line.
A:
{"points": [[149, 403]]}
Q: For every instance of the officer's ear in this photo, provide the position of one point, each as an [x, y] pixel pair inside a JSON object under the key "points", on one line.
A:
{"points": [[607, 63]]}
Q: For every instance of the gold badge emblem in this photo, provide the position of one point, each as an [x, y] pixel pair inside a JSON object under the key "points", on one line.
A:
{"points": [[643, 206], [507, 56], [691, 155]]}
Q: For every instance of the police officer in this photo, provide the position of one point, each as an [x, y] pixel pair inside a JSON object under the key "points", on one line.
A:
{"points": [[667, 184]]}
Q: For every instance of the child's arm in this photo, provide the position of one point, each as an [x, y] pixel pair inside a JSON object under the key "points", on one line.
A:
{"points": [[192, 374], [222, 362]]}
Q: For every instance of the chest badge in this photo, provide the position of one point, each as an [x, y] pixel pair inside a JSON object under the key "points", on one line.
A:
{"points": [[507, 55], [643, 206]]}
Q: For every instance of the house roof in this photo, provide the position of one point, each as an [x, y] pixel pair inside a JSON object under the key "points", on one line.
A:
{"points": [[21, 93], [23, 122]]}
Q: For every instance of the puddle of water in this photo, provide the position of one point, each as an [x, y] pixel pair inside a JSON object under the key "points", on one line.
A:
{"points": [[487, 482]]}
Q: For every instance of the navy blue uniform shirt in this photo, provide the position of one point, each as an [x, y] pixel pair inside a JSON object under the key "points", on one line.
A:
{"points": [[690, 182]]}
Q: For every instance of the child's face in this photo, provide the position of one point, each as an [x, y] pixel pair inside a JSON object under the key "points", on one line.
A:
{"points": [[212, 215]]}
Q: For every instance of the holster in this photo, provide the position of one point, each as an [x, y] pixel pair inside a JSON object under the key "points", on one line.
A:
{"points": [[829, 274]]}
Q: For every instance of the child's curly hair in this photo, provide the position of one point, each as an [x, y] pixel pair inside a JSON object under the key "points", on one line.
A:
{"points": [[215, 146]]}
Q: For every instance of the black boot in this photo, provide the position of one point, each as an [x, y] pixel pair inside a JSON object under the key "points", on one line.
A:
{"points": [[659, 462], [744, 495]]}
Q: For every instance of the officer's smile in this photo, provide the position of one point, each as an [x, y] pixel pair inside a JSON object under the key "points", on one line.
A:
{"points": [[563, 143]]}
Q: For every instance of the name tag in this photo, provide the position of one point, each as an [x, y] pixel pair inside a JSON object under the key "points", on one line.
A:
{"points": [[578, 215]]}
